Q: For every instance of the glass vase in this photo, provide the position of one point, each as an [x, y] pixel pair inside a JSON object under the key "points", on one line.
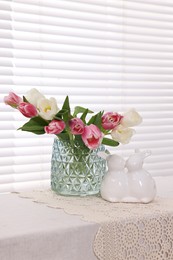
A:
{"points": [[76, 170]]}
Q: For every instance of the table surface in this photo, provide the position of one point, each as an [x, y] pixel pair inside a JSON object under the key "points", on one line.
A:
{"points": [[33, 231]]}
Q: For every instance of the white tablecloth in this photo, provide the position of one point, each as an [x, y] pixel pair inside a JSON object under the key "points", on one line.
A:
{"points": [[32, 231], [127, 230]]}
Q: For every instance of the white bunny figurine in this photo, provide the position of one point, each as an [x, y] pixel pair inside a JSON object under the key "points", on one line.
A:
{"points": [[136, 185], [141, 186], [114, 184]]}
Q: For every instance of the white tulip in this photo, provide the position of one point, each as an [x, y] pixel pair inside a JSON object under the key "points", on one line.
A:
{"points": [[47, 108], [122, 134], [33, 96], [131, 118]]}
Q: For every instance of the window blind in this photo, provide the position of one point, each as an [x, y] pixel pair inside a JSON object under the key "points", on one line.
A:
{"points": [[106, 55]]}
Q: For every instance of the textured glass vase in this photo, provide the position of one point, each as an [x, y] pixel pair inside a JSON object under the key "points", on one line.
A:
{"points": [[76, 170]]}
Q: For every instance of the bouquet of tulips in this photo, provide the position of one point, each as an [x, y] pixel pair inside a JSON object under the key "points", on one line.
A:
{"points": [[110, 128]]}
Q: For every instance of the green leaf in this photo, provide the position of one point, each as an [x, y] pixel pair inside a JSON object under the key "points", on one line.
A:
{"points": [[78, 138], [96, 120], [66, 105], [63, 136], [25, 100], [66, 110], [109, 142], [35, 125], [61, 114], [35, 130], [78, 110], [66, 117], [38, 121], [84, 115]]}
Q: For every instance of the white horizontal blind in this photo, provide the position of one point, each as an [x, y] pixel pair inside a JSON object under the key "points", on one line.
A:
{"points": [[106, 55]]}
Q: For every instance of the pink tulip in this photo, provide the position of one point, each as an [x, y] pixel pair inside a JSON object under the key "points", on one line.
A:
{"points": [[12, 100], [55, 127], [76, 126], [27, 109], [92, 136], [110, 120]]}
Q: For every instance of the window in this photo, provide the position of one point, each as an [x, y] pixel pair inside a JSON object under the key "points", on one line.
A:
{"points": [[106, 55]]}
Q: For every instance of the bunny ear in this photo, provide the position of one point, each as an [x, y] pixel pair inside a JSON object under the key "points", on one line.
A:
{"points": [[103, 155], [144, 154]]}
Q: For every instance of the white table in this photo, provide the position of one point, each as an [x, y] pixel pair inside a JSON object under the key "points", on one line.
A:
{"points": [[32, 231]]}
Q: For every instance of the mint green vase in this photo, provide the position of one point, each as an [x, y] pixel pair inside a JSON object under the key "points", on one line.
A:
{"points": [[76, 170]]}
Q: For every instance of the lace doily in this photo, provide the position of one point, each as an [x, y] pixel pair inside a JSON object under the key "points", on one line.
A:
{"points": [[127, 231]]}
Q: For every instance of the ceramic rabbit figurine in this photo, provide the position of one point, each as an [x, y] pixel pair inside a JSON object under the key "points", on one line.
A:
{"points": [[136, 185], [141, 185], [114, 184]]}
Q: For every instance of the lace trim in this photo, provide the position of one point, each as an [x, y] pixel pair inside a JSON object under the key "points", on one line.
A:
{"points": [[127, 231]]}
